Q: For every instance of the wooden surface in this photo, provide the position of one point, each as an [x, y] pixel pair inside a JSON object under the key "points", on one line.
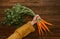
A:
{"points": [[47, 9]]}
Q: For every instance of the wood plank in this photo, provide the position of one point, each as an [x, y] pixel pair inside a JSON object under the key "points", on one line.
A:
{"points": [[32, 3], [50, 3], [37, 10], [21, 1], [49, 10]]}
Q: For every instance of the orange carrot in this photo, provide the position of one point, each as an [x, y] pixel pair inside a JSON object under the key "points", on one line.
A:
{"points": [[46, 22], [40, 25], [40, 28], [45, 26]]}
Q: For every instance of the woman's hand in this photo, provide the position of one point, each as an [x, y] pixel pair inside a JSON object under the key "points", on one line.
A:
{"points": [[35, 19]]}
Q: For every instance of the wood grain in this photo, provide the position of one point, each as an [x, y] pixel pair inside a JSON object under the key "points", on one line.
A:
{"points": [[47, 9]]}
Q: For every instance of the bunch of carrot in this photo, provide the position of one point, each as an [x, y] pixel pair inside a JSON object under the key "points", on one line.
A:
{"points": [[41, 24]]}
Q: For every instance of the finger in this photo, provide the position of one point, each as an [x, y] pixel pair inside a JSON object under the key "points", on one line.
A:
{"points": [[38, 17], [35, 19]]}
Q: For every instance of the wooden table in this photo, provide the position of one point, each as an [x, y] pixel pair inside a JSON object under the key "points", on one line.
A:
{"points": [[47, 9]]}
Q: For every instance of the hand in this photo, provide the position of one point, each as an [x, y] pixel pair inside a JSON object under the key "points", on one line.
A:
{"points": [[35, 19]]}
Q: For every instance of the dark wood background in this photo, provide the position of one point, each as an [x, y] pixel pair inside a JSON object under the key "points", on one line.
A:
{"points": [[47, 9]]}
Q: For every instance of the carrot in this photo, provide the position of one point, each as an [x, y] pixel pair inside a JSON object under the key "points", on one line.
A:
{"points": [[41, 28], [45, 26], [46, 22], [38, 27], [41, 25]]}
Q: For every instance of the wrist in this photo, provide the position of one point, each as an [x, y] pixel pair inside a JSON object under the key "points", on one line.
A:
{"points": [[32, 23]]}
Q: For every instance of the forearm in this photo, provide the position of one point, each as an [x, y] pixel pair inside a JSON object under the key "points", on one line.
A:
{"points": [[22, 31], [15, 35], [26, 29]]}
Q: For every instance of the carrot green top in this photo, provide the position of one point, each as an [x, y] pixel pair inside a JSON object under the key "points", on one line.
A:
{"points": [[14, 16]]}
